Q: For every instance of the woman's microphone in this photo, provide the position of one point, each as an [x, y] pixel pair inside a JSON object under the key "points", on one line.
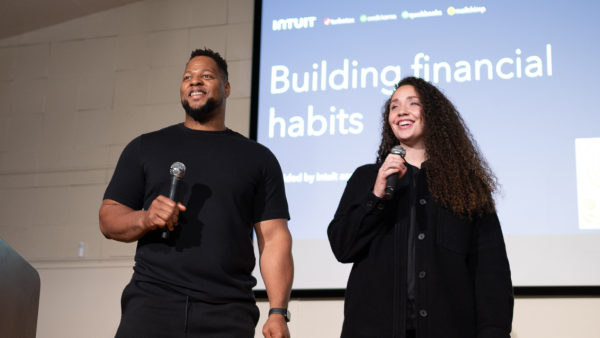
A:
{"points": [[177, 172], [390, 185]]}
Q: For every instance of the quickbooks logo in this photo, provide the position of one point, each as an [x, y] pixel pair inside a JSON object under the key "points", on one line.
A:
{"points": [[283, 24], [421, 14]]}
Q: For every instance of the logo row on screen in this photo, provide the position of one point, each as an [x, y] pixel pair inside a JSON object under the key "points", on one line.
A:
{"points": [[310, 21]]}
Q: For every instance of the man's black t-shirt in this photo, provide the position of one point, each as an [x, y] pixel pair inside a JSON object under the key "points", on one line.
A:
{"points": [[230, 183]]}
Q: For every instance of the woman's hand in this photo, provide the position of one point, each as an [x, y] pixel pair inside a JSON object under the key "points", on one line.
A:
{"points": [[393, 164]]}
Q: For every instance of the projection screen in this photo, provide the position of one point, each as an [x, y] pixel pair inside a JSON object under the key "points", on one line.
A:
{"points": [[524, 76]]}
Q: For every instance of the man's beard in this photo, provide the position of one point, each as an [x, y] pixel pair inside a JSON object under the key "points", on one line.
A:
{"points": [[206, 112]]}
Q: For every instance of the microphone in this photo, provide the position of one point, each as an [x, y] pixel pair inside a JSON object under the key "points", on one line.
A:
{"points": [[177, 173], [390, 185]]}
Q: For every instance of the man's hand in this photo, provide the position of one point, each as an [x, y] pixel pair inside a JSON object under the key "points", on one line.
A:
{"points": [[276, 327], [163, 212], [123, 224]]}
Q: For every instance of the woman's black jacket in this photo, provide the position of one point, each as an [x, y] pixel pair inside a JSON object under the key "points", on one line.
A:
{"points": [[463, 284]]}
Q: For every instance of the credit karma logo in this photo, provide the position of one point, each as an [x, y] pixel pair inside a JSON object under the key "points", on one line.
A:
{"points": [[378, 17], [297, 23], [421, 14], [466, 10]]}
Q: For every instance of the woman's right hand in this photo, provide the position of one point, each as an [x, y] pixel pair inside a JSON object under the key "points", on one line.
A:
{"points": [[394, 164]]}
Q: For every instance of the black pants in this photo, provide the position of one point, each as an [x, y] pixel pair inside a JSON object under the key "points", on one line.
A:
{"points": [[155, 310]]}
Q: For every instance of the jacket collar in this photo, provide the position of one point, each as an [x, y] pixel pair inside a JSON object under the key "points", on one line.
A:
{"points": [[379, 164]]}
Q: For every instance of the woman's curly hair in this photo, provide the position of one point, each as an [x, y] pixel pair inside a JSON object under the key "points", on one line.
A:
{"points": [[457, 173]]}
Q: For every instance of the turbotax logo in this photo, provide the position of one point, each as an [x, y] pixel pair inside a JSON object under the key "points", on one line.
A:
{"points": [[283, 24]]}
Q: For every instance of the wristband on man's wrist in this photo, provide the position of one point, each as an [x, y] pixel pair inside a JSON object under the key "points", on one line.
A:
{"points": [[284, 312]]}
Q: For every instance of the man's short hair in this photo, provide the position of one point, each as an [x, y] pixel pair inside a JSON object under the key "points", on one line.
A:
{"points": [[215, 56]]}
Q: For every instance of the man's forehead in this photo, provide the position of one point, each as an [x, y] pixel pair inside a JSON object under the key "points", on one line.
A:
{"points": [[201, 63], [198, 70]]}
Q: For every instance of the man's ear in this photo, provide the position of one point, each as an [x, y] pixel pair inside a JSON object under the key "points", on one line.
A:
{"points": [[227, 89]]}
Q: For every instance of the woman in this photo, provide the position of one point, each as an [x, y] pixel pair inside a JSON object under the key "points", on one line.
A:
{"points": [[430, 262]]}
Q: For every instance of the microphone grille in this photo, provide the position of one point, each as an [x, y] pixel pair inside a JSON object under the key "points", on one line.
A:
{"points": [[398, 150], [177, 169]]}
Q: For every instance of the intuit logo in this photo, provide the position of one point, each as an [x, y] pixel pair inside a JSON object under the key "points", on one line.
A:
{"points": [[283, 24]]}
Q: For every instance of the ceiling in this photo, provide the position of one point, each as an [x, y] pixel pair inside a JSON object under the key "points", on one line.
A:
{"points": [[20, 16]]}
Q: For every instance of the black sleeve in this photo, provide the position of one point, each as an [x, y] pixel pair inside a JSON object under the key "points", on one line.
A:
{"points": [[490, 269], [270, 201], [127, 185], [356, 221]]}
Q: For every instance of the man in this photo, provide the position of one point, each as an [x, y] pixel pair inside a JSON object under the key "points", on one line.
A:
{"points": [[198, 282]]}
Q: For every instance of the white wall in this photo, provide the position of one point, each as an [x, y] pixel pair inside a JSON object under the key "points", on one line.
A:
{"points": [[73, 95]]}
